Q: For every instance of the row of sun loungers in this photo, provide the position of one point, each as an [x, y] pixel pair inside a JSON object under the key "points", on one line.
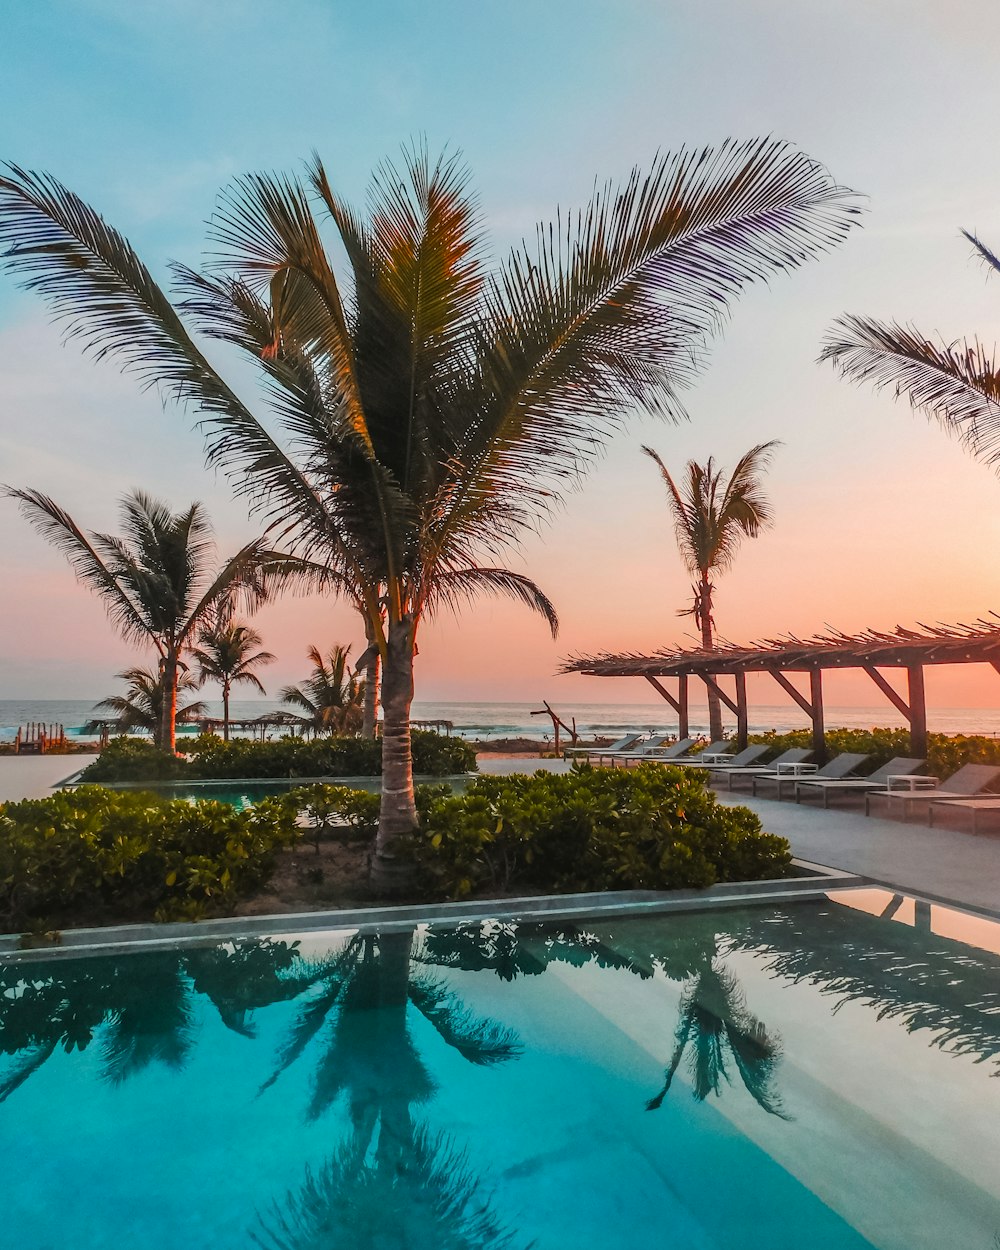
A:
{"points": [[899, 785]]}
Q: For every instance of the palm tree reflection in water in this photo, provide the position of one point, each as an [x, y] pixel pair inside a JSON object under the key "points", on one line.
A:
{"points": [[392, 1182], [715, 1023]]}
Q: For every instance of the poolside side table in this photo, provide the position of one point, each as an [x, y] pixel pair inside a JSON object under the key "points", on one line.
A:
{"points": [[972, 804]]}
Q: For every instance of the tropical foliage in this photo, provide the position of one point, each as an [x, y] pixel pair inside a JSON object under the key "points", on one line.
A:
{"points": [[141, 707], [957, 383], [99, 854], [207, 757], [712, 516], [647, 828], [945, 753], [332, 697], [226, 654], [425, 412], [156, 580]]}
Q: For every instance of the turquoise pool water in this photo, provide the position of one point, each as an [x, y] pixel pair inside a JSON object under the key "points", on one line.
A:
{"points": [[807, 1076]]}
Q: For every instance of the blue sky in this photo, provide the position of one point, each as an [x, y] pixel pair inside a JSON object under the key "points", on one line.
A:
{"points": [[147, 109]]}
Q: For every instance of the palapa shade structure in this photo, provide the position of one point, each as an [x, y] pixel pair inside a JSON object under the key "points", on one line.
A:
{"points": [[870, 650]]}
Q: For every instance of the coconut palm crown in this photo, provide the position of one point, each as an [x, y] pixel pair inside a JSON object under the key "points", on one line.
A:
{"points": [[141, 706], [156, 580], [225, 654], [331, 696], [420, 412], [712, 516], [956, 383]]}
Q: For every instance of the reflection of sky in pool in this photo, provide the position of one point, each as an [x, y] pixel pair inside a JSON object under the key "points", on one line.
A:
{"points": [[811, 1076]]}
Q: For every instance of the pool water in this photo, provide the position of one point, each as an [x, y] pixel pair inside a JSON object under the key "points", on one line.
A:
{"points": [[818, 1076]]}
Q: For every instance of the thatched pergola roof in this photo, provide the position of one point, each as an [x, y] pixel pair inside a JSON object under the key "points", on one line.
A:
{"points": [[870, 650], [978, 642]]}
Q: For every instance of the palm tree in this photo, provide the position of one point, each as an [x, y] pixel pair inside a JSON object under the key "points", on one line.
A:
{"points": [[141, 707], [712, 516], [957, 383], [391, 1182], [717, 1028], [425, 413], [332, 697], [156, 581], [225, 654]]}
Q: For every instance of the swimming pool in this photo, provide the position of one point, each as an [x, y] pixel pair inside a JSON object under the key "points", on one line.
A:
{"points": [[818, 1075]]}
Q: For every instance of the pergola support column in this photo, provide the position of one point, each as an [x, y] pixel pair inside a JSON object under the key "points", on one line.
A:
{"points": [[816, 699], [813, 706], [918, 710], [680, 704], [741, 711]]}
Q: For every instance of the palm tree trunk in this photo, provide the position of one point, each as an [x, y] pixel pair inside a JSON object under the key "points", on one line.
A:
{"points": [[168, 729], [708, 643], [398, 815], [225, 711], [371, 694]]}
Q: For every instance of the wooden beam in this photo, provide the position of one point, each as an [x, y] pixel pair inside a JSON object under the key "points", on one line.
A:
{"points": [[662, 690], [816, 698], [741, 711], [890, 693], [787, 686], [682, 712], [713, 685], [918, 710], [996, 664]]}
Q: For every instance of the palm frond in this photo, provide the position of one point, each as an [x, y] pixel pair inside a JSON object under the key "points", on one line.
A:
{"points": [[59, 529], [476, 1038], [988, 257], [958, 384], [453, 587]]}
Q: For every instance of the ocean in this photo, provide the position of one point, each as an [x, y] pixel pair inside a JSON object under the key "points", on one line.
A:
{"points": [[503, 720]]}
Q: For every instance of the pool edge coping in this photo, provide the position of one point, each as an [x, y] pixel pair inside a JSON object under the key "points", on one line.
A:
{"points": [[815, 881]]}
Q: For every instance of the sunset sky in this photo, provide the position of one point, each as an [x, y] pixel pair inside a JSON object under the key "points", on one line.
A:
{"points": [[147, 109]]}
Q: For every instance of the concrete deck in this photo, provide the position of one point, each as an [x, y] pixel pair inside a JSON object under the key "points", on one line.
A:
{"points": [[946, 862]]}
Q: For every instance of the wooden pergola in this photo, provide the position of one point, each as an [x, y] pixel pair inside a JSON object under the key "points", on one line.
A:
{"points": [[910, 650]]}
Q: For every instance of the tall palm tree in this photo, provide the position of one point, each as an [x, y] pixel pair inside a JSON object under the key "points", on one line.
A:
{"points": [[425, 413], [157, 580], [391, 1182], [957, 383], [225, 654], [141, 707], [331, 696], [712, 516]]}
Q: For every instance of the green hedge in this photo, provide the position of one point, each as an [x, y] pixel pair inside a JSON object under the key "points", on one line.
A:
{"points": [[92, 854], [209, 758], [649, 827], [945, 754]]}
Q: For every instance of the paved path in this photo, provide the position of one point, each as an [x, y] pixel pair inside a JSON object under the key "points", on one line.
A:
{"points": [[947, 863], [33, 776]]}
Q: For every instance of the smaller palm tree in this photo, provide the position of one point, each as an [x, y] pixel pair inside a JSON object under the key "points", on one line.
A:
{"points": [[141, 707], [225, 654], [332, 697], [712, 516]]}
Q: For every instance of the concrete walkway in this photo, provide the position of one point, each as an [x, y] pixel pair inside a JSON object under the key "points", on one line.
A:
{"points": [[33, 776], [944, 863]]}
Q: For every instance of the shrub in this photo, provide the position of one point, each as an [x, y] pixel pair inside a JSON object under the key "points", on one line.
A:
{"points": [[592, 829], [945, 754], [101, 853], [131, 759], [335, 808], [209, 758]]}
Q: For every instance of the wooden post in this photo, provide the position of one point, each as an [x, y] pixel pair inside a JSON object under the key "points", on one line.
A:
{"points": [[918, 710], [741, 711], [682, 706], [816, 699]]}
